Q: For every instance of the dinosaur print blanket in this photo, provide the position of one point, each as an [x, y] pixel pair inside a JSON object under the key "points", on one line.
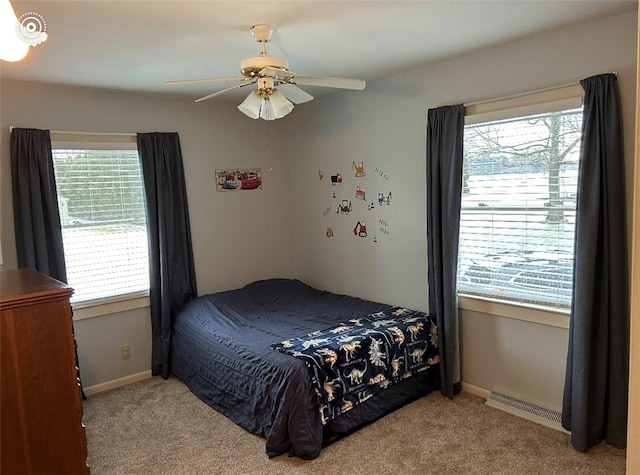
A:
{"points": [[352, 361]]}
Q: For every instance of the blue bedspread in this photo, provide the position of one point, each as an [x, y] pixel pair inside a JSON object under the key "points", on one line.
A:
{"points": [[221, 348]]}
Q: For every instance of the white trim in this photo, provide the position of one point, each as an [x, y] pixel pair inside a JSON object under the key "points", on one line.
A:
{"points": [[99, 309], [90, 140], [518, 105], [528, 313], [476, 390], [116, 383], [126, 135], [64, 140], [68, 136], [538, 92]]}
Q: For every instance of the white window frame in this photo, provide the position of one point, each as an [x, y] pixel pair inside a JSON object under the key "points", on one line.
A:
{"points": [[97, 141], [103, 307], [543, 101]]}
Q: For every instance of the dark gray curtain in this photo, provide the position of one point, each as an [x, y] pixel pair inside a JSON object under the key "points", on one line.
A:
{"points": [[596, 383], [35, 207], [445, 127], [171, 269], [35, 203]]}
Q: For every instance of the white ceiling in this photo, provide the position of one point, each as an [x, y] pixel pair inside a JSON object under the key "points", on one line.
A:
{"points": [[136, 45]]}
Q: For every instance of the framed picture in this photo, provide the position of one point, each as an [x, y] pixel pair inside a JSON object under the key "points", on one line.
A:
{"points": [[238, 179]]}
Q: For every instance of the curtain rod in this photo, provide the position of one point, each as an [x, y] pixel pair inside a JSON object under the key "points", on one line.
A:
{"points": [[522, 94], [129, 134]]}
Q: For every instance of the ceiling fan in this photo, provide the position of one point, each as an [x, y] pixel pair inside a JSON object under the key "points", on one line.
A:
{"points": [[276, 85]]}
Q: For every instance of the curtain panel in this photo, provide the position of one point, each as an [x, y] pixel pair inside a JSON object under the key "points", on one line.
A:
{"points": [[171, 267], [35, 208], [445, 129], [596, 383], [35, 203]]}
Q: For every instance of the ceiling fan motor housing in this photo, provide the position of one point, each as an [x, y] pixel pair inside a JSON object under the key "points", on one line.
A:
{"points": [[250, 67]]}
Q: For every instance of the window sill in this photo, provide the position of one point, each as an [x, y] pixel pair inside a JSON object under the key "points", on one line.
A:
{"points": [[98, 308], [528, 313]]}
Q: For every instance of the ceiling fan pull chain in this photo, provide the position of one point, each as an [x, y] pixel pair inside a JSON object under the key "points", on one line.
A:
{"points": [[268, 147]]}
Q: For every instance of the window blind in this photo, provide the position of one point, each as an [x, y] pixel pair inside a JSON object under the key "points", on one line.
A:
{"points": [[101, 205], [519, 207]]}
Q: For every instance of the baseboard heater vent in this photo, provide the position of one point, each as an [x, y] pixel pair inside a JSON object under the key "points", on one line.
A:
{"points": [[526, 410]]}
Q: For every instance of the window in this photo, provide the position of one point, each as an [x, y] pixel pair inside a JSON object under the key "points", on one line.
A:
{"points": [[101, 205], [519, 205]]}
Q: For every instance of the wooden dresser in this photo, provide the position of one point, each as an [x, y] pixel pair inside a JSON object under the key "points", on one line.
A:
{"points": [[41, 406]]}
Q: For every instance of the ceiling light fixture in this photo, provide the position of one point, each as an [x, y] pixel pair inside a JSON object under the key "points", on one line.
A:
{"points": [[266, 102], [16, 35], [12, 48]]}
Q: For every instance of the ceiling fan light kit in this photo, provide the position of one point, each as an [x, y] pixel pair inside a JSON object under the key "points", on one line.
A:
{"points": [[267, 107], [270, 74]]}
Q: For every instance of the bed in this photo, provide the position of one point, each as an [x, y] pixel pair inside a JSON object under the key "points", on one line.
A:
{"points": [[235, 351]]}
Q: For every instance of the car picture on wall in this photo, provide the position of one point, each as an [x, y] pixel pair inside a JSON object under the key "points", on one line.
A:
{"points": [[235, 179]]}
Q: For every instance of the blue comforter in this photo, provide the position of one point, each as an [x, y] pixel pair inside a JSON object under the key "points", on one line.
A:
{"points": [[221, 348]]}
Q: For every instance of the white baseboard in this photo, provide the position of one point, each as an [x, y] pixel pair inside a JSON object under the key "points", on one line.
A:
{"points": [[476, 390], [116, 383]]}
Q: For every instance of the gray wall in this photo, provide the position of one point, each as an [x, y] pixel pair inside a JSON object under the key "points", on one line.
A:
{"points": [[384, 126], [237, 237]]}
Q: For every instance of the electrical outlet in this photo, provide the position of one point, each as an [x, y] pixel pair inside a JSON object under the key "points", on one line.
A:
{"points": [[125, 352]]}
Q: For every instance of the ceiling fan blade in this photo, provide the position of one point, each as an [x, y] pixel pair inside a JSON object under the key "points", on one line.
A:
{"points": [[223, 91], [276, 73], [196, 81], [325, 81], [294, 93]]}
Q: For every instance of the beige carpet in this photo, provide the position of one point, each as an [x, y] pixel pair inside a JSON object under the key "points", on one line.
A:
{"points": [[160, 427]]}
